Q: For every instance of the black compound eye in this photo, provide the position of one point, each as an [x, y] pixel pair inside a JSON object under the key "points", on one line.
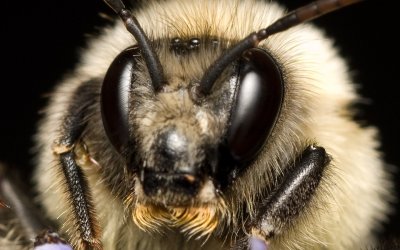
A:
{"points": [[258, 103], [115, 97]]}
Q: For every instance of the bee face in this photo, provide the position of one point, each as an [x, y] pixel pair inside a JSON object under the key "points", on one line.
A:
{"points": [[180, 146], [168, 132]]}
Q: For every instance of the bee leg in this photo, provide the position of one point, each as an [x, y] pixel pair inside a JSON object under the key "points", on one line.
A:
{"points": [[290, 197], [77, 114]]}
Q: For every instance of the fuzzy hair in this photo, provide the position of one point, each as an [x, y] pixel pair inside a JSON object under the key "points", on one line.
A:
{"points": [[351, 200]]}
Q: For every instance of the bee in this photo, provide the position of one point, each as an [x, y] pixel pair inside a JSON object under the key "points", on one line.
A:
{"points": [[208, 125]]}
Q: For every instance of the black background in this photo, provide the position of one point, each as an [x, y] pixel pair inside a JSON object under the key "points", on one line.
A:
{"points": [[41, 41]]}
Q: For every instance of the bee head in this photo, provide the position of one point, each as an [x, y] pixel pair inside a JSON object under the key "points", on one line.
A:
{"points": [[184, 148], [190, 114]]}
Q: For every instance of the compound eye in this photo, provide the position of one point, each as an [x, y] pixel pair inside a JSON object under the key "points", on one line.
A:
{"points": [[115, 97], [258, 103]]}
